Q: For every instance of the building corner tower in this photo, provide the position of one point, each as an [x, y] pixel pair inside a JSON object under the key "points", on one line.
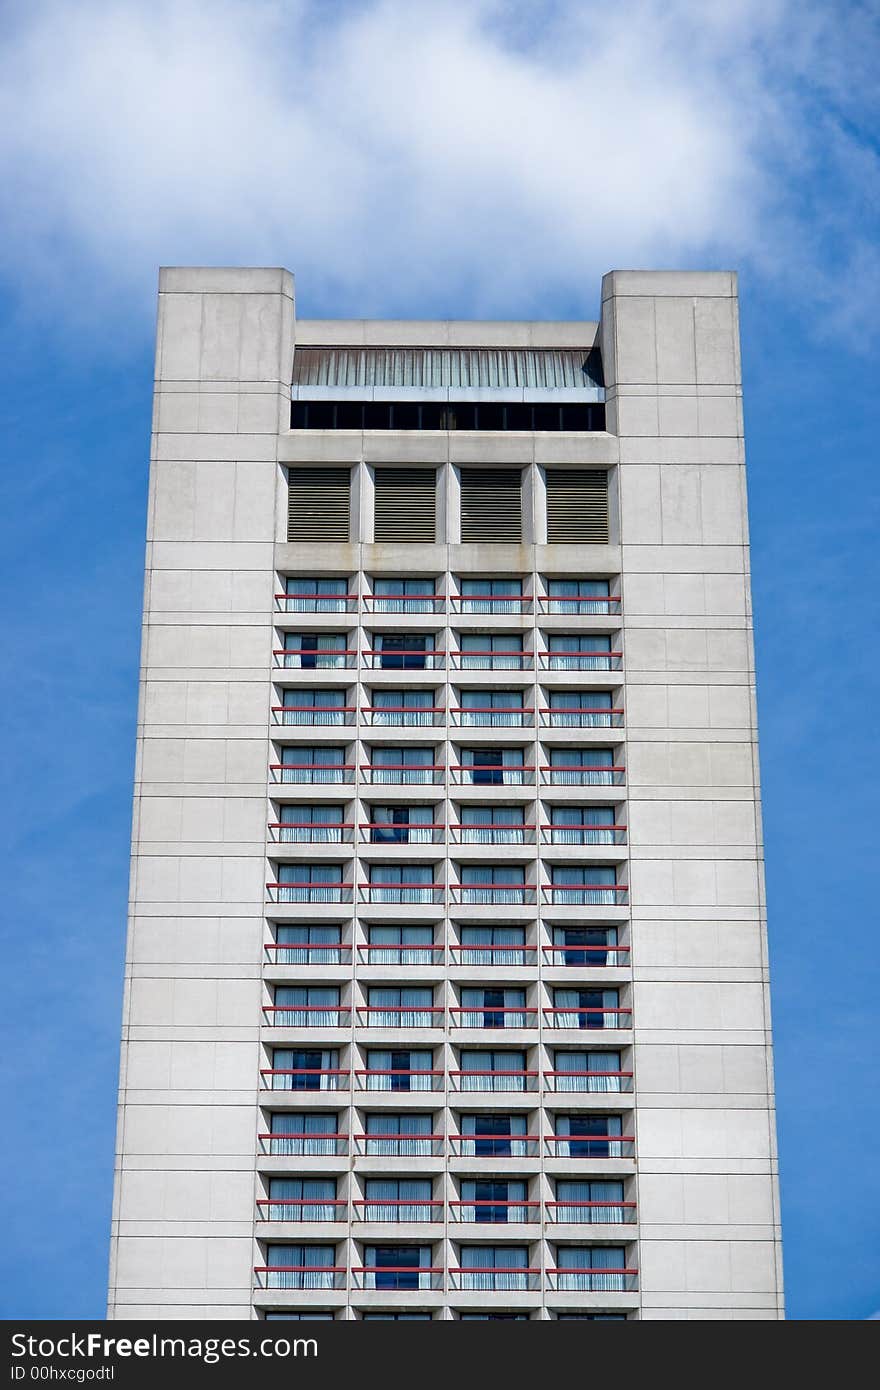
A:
{"points": [[446, 980]]}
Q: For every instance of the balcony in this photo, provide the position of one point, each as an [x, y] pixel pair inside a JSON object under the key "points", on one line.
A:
{"points": [[487, 717], [301, 1209], [519, 834], [316, 832], [590, 1146], [304, 1079], [306, 1016], [482, 1211], [591, 1213], [405, 602], [289, 659], [579, 606], [396, 1279], [472, 895], [488, 774], [400, 1016], [399, 1145], [584, 833], [593, 1280], [313, 716], [492, 955], [313, 773], [403, 659], [584, 775], [492, 603], [415, 893], [598, 1082], [586, 717], [488, 659], [396, 1209], [587, 1018], [398, 1079], [495, 1278], [316, 603], [403, 774], [300, 1276], [402, 832], [580, 661], [494, 1146], [394, 954], [585, 894], [319, 1145], [488, 1016], [499, 1080], [402, 716], [581, 957], [303, 891]]}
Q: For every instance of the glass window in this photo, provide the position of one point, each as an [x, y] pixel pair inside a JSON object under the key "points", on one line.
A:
{"points": [[315, 595], [404, 595], [300, 1134], [491, 596], [583, 596]]}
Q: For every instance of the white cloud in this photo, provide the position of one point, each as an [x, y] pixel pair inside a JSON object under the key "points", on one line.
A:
{"points": [[457, 156]]}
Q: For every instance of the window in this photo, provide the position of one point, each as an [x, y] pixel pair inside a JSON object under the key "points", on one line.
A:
{"points": [[491, 596], [300, 824], [597, 1268], [582, 825], [308, 945], [587, 1071], [315, 595], [493, 945], [492, 1071], [587, 1008], [490, 883], [398, 1136], [491, 504], [489, 1007], [405, 503], [494, 1201], [408, 1007], [404, 595], [313, 1315], [398, 1199], [318, 504], [401, 825], [397, 1267], [300, 1134], [585, 767], [306, 1006], [589, 651], [591, 1202], [314, 764], [579, 596], [405, 945], [493, 766], [494, 1267], [399, 1070], [580, 709], [588, 1136], [310, 883], [491, 825], [397, 1317], [493, 1136], [300, 1267], [301, 1069], [585, 946], [301, 1199], [408, 764], [591, 884], [577, 505], [315, 651], [403, 651], [312, 706], [402, 706], [481, 651], [492, 708], [401, 883]]}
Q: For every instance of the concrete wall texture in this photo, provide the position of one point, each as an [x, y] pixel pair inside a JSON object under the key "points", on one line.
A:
{"points": [[187, 1233]]}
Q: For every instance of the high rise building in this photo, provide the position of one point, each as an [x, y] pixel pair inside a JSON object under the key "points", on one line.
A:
{"points": [[446, 988]]}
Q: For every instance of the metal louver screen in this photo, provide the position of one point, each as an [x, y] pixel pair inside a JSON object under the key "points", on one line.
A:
{"points": [[491, 504], [318, 504], [577, 505], [405, 507]]}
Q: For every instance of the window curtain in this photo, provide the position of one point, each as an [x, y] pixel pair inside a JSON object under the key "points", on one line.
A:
{"points": [[312, 764], [587, 652], [494, 1136], [576, 940], [491, 595], [489, 883], [403, 707], [582, 825], [411, 1136], [482, 651], [306, 1007], [303, 1134], [382, 1061], [319, 1258], [491, 1008], [587, 878], [582, 1266], [494, 708], [570, 709], [586, 1136], [309, 883], [392, 1199], [563, 592], [578, 1198], [494, 1267], [311, 824], [385, 944], [401, 883], [493, 937], [315, 650], [314, 1199], [487, 1069], [309, 1064], [308, 945], [403, 764], [492, 825], [581, 766], [313, 706], [504, 1193], [404, 595], [570, 1063], [316, 595], [401, 1008]]}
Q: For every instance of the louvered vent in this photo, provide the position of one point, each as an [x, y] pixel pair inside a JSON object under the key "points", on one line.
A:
{"points": [[577, 505], [405, 504], [318, 504], [491, 504]]}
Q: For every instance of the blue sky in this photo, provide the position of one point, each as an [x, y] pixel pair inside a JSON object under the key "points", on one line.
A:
{"points": [[458, 159]]}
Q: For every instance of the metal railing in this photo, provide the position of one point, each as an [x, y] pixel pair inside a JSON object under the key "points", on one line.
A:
{"points": [[402, 773], [300, 1276], [584, 718], [593, 1280], [599, 1082], [406, 716], [307, 892], [491, 775], [403, 659], [585, 894], [580, 605], [313, 716], [591, 1213], [312, 1078], [398, 1079], [394, 954], [401, 834], [497, 1277], [580, 661], [589, 1146], [327, 659], [586, 955], [493, 1080], [314, 773], [301, 1209], [320, 832], [487, 659], [400, 1015], [592, 1018], [488, 717], [494, 1145], [474, 895], [306, 1015], [321, 1145], [399, 1145], [480, 1016], [398, 1209], [582, 775], [479, 1210], [316, 603], [583, 834], [492, 955], [412, 893], [394, 1277]]}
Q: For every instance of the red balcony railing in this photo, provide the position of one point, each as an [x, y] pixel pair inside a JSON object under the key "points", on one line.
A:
{"points": [[325, 659], [583, 775], [408, 716], [482, 1210], [591, 1213], [306, 1015], [588, 1018], [399, 1145], [476, 894], [583, 834], [586, 955], [491, 774], [488, 717], [295, 953], [315, 773], [403, 659], [605, 1082], [404, 602], [321, 832], [492, 603], [393, 954], [398, 1209], [398, 1079], [386, 773], [584, 718], [307, 892], [400, 1016], [316, 603], [492, 955], [494, 1145], [391, 1277], [589, 1146], [300, 1276], [313, 715], [494, 1277], [500, 1080], [301, 1209], [401, 834], [321, 1145], [411, 893], [591, 894], [521, 834], [593, 1280], [580, 661], [491, 1017], [582, 604], [319, 1078], [488, 659]]}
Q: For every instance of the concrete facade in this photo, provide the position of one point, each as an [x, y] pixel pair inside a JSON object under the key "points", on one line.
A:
{"points": [[697, 1217]]}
